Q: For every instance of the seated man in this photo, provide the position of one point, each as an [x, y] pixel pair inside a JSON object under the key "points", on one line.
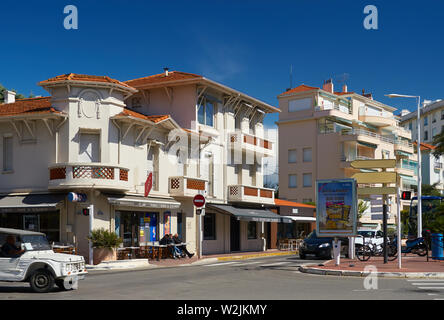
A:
{"points": [[9, 249], [177, 240], [167, 240]]}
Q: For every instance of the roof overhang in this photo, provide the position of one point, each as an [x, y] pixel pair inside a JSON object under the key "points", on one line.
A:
{"points": [[30, 202]]}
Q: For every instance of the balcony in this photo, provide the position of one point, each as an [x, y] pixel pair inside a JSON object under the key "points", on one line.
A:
{"points": [[186, 186], [437, 166], [379, 118], [250, 143], [402, 145], [365, 136], [85, 175], [346, 160], [336, 110], [241, 193]]}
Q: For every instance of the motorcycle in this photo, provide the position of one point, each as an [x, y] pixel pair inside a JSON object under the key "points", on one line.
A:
{"points": [[416, 246]]}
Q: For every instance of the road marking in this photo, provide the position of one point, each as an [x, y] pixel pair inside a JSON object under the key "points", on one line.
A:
{"points": [[426, 280], [428, 283], [246, 264], [438, 299], [275, 264], [428, 288], [219, 264]]}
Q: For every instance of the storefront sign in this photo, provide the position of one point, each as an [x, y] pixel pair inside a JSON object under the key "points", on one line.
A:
{"points": [[77, 197], [336, 208]]}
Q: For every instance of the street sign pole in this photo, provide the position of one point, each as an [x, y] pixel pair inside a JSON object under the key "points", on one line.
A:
{"points": [[384, 226], [398, 213]]}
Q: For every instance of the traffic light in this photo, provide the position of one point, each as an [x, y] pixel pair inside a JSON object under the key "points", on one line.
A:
{"points": [[406, 195], [85, 211]]}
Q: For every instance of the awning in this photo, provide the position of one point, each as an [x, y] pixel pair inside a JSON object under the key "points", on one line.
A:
{"points": [[142, 202], [299, 218], [402, 153], [30, 203], [369, 145], [408, 180], [249, 214]]}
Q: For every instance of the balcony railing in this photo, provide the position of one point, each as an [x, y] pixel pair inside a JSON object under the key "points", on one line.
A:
{"points": [[353, 158], [80, 174], [368, 134], [251, 142], [242, 193], [338, 107], [186, 187]]}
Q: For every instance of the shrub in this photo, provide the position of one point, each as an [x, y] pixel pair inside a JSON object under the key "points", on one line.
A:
{"points": [[102, 238]]}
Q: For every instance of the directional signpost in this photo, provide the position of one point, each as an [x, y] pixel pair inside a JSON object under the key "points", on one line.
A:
{"points": [[382, 177]]}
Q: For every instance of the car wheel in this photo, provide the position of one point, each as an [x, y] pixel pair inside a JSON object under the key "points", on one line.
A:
{"points": [[302, 255], [42, 281], [61, 284]]}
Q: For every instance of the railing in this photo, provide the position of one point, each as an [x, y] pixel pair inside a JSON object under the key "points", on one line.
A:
{"points": [[251, 140], [77, 174], [353, 158], [185, 186], [437, 165], [250, 194], [338, 107], [403, 143], [368, 134]]}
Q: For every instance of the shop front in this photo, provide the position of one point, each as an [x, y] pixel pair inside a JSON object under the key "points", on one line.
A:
{"points": [[33, 212]]}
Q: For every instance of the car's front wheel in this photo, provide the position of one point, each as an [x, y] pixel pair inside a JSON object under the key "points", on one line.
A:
{"points": [[42, 281]]}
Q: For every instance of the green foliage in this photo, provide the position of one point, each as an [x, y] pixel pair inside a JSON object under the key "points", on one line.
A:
{"points": [[391, 232], [428, 190], [438, 142], [102, 238], [17, 96], [362, 207]]}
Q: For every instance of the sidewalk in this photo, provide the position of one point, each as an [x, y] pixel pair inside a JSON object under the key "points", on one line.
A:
{"points": [[412, 267]]}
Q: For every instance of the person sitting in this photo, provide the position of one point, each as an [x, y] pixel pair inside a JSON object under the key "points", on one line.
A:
{"points": [[167, 240], [9, 249], [183, 247]]}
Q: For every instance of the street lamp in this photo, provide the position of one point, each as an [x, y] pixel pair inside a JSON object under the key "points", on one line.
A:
{"points": [[419, 219]]}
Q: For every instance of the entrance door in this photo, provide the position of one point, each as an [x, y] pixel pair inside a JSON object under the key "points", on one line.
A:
{"points": [[234, 234], [268, 234], [180, 225]]}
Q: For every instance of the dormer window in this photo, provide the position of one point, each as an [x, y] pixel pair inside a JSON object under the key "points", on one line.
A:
{"points": [[136, 102]]}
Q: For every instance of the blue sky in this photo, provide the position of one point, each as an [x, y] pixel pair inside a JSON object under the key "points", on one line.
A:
{"points": [[248, 45]]}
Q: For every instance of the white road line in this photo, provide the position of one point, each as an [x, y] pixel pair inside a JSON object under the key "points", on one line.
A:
{"points": [[428, 288], [426, 280], [275, 264], [246, 264], [219, 264], [438, 299], [432, 294], [428, 283]]}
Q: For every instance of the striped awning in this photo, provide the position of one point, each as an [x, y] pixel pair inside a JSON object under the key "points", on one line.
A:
{"points": [[408, 180], [402, 153], [365, 144]]}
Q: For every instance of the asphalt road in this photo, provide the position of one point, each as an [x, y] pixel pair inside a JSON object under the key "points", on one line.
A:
{"points": [[272, 278]]}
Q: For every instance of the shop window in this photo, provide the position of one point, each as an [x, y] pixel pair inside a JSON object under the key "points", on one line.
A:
{"points": [[210, 226], [252, 230]]}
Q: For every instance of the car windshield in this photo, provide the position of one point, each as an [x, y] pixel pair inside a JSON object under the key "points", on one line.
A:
{"points": [[35, 242], [367, 234]]}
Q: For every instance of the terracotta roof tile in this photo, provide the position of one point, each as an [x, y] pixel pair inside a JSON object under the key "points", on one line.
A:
{"points": [[425, 146], [82, 78], [27, 106], [162, 78], [286, 203], [131, 113], [300, 88]]}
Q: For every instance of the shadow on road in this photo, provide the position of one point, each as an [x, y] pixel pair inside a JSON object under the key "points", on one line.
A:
{"points": [[24, 289]]}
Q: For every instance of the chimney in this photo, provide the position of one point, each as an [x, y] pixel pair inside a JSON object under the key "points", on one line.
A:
{"points": [[166, 71], [328, 86], [344, 88], [9, 96], [367, 95]]}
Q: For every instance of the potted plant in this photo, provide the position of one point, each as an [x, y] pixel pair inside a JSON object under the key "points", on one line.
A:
{"points": [[104, 245]]}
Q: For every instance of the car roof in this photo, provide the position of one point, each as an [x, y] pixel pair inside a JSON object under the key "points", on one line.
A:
{"points": [[19, 232]]}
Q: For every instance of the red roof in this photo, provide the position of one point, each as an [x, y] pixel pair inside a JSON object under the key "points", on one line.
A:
{"points": [[83, 78], [342, 93], [162, 78], [155, 119], [301, 88], [27, 106], [286, 203]]}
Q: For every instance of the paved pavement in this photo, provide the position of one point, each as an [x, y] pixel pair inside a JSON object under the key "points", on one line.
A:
{"points": [[269, 278]]}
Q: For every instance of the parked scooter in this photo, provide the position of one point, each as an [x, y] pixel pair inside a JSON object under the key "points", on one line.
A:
{"points": [[416, 246]]}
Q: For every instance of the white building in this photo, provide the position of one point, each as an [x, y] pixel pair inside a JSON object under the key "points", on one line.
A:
{"points": [[101, 137]]}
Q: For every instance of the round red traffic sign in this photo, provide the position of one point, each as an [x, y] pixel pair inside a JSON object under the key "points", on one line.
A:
{"points": [[199, 200]]}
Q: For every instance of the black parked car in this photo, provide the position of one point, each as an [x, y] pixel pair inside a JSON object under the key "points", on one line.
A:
{"points": [[321, 247]]}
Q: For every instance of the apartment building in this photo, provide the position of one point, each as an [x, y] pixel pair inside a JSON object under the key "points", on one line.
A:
{"points": [[328, 130], [431, 123], [102, 138]]}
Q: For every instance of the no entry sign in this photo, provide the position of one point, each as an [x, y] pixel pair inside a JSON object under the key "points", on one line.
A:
{"points": [[199, 200]]}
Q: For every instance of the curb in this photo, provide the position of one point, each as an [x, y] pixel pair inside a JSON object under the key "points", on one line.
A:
{"points": [[249, 256], [345, 273]]}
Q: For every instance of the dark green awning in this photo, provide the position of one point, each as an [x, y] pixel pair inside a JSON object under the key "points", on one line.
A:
{"points": [[248, 214]]}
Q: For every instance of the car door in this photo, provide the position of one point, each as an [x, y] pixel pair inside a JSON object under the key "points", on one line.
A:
{"points": [[8, 269]]}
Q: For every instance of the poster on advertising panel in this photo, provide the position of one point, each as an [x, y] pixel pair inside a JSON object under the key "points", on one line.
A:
{"points": [[336, 208]]}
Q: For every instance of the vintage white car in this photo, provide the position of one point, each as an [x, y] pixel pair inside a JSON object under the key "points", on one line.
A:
{"points": [[35, 262]]}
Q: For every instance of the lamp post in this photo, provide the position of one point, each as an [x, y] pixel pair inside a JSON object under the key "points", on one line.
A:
{"points": [[419, 215]]}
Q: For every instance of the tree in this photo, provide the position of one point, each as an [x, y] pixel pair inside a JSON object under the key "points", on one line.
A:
{"points": [[362, 208], [438, 142], [2, 98], [428, 190]]}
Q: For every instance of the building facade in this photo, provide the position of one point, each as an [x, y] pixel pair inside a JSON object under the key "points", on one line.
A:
{"points": [[329, 130], [106, 139]]}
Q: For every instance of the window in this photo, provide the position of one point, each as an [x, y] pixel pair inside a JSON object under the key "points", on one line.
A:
{"points": [[426, 135], [410, 125], [292, 156], [210, 226], [434, 118], [385, 154], [89, 148], [292, 181], [426, 120], [433, 132], [252, 230], [136, 102], [442, 114], [307, 180], [307, 154], [205, 112], [7, 154], [299, 104]]}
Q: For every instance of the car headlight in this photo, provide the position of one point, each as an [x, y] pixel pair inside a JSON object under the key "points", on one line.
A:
{"points": [[324, 245], [67, 267]]}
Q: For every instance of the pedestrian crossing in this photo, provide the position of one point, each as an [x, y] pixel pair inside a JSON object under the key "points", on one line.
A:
{"points": [[436, 285]]}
